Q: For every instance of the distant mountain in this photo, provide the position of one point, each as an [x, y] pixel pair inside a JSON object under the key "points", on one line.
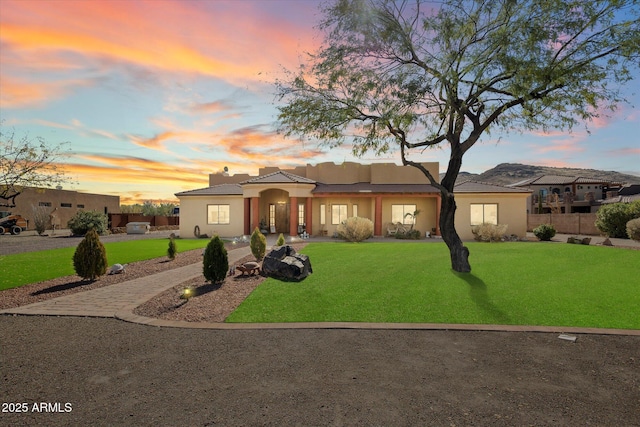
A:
{"points": [[510, 173]]}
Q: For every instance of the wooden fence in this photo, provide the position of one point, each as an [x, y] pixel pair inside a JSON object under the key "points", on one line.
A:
{"points": [[575, 223]]}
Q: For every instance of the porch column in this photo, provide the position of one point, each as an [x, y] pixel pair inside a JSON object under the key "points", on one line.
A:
{"points": [[247, 215], [255, 213], [438, 207], [309, 214], [377, 229], [293, 216]]}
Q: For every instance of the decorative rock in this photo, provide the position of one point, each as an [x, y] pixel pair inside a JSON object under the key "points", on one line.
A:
{"points": [[117, 269], [283, 263], [607, 242], [586, 240]]}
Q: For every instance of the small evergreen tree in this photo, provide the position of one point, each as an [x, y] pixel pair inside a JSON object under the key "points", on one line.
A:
{"points": [[172, 250], [258, 244], [544, 232], [90, 257], [280, 241], [215, 261]]}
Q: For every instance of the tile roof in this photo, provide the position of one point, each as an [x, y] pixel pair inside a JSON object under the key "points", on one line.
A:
{"points": [[560, 180], [216, 190], [366, 187], [483, 187], [279, 177]]}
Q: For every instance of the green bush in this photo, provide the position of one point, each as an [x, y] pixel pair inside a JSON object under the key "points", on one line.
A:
{"points": [[355, 229], [633, 229], [612, 219], [409, 235], [280, 241], [489, 232], [90, 257], [84, 221], [215, 261], [544, 232], [172, 250], [258, 244]]}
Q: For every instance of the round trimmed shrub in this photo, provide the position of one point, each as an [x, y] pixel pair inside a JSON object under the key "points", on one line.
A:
{"points": [[356, 229], [215, 261], [258, 244], [612, 219], [84, 221], [90, 257], [633, 229], [544, 232]]}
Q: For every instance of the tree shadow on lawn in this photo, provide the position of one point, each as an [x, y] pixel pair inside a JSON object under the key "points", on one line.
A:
{"points": [[478, 293], [62, 287]]}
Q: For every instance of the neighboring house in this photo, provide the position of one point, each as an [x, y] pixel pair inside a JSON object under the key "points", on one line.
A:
{"points": [[627, 194], [317, 198], [566, 194], [60, 204]]}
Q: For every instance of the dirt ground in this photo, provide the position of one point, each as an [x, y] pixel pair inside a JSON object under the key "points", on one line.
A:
{"points": [[104, 372]]}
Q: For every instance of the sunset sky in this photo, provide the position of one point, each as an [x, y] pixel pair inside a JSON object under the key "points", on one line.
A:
{"points": [[152, 96]]}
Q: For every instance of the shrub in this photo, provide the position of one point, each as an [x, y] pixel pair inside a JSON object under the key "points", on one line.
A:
{"points": [[612, 219], [356, 229], [258, 244], [40, 216], [84, 221], [280, 241], [633, 229], [489, 232], [409, 235], [172, 250], [544, 232], [90, 257], [215, 261]]}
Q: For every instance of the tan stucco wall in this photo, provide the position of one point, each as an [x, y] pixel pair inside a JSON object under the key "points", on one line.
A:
{"points": [[365, 209], [512, 210], [90, 202], [193, 211], [390, 173], [426, 219], [294, 190]]}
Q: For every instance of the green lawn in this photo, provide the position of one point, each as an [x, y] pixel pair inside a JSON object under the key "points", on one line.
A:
{"points": [[31, 267], [552, 284]]}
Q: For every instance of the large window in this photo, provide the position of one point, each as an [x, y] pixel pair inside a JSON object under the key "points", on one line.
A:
{"points": [[399, 213], [323, 214], [338, 213], [217, 214], [484, 213]]}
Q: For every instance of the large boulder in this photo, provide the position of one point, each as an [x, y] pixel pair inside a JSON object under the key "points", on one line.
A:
{"points": [[283, 263]]}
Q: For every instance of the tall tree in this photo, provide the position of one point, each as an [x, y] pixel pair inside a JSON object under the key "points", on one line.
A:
{"points": [[27, 162], [412, 75]]}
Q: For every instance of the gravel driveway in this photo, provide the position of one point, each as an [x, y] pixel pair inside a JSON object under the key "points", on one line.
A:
{"points": [[109, 373]]}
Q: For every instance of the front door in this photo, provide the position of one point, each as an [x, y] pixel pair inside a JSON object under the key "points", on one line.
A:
{"points": [[282, 218]]}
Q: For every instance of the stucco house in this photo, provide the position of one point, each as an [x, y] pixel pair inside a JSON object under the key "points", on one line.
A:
{"points": [[317, 198]]}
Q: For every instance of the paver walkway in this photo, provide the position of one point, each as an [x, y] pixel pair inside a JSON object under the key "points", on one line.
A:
{"points": [[121, 297]]}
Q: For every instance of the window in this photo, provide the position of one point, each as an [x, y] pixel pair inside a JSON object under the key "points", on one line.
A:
{"points": [[65, 205], [80, 206], [484, 213], [355, 210], [338, 213], [272, 215], [301, 219], [399, 212], [217, 214], [323, 214], [47, 204]]}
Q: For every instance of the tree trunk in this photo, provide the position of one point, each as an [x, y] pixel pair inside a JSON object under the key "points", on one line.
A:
{"points": [[459, 253]]}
